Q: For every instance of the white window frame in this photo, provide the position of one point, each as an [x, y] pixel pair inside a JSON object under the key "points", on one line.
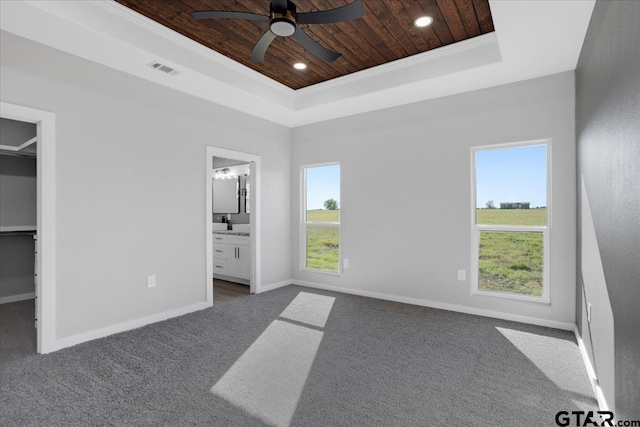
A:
{"points": [[304, 222], [477, 229]]}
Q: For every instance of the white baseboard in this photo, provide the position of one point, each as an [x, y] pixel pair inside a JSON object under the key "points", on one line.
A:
{"points": [[138, 323], [16, 298], [443, 306], [126, 326], [593, 378], [272, 286]]}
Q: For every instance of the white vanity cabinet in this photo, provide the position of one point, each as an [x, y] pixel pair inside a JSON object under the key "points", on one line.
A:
{"points": [[231, 256], [220, 254], [238, 264]]}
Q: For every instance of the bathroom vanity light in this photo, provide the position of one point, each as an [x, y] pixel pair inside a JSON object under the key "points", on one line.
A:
{"points": [[224, 174]]}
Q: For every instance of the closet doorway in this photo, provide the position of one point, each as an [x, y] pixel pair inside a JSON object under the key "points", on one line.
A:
{"points": [[27, 231], [233, 224]]}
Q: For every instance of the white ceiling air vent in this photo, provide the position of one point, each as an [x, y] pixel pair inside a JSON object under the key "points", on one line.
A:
{"points": [[164, 68]]}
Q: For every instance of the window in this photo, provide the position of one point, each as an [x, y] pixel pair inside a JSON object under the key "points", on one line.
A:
{"points": [[510, 221], [321, 218]]}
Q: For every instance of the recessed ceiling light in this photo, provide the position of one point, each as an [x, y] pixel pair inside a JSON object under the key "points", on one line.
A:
{"points": [[423, 21], [299, 66]]}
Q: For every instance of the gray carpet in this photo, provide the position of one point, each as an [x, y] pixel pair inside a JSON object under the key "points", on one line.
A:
{"points": [[267, 359], [17, 330]]}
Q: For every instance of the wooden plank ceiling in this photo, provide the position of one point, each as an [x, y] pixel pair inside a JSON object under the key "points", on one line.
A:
{"points": [[386, 33]]}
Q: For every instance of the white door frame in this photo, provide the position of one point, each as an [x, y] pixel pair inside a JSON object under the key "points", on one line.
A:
{"points": [[46, 218], [256, 270]]}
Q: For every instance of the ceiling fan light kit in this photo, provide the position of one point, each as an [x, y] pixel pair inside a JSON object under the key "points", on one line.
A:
{"points": [[283, 22], [282, 27]]}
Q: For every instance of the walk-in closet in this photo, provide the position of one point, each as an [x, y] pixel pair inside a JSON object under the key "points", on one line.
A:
{"points": [[18, 234]]}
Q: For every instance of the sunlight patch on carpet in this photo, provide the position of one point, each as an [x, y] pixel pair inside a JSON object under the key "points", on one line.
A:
{"points": [[537, 348], [311, 309], [268, 379]]}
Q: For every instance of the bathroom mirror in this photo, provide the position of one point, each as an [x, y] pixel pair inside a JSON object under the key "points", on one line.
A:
{"points": [[226, 199]]}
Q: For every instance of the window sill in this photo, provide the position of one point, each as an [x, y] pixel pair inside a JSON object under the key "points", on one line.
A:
{"points": [[325, 272]]}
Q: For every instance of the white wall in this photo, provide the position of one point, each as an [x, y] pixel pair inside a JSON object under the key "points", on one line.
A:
{"points": [[131, 185], [406, 234], [608, 146]]}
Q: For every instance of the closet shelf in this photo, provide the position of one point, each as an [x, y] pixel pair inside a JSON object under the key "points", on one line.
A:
{"points": [[16, 228]]}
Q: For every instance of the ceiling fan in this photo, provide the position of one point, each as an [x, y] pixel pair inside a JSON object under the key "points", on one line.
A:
{"points": [[283, 21]]}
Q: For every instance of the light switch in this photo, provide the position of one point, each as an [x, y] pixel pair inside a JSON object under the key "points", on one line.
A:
{"points": [[462, 275]]}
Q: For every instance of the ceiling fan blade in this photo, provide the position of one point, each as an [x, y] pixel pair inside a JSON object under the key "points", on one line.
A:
{"points": [[312, 46], [257, 55], [214, 14], [351, 11]]}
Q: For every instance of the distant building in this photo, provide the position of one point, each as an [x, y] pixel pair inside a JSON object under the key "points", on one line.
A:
{"points": [[514, 205]]}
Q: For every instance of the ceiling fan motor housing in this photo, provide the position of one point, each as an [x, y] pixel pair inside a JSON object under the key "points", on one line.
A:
{"points": [[283, 21]]}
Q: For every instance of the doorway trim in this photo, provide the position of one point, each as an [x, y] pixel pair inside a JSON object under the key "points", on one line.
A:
{"points": [[255, 229], [46, 218]]}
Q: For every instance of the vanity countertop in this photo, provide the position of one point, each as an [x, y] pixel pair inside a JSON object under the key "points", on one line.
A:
{"points": [[231, 232]]}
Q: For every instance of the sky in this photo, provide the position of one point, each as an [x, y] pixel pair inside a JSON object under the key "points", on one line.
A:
{"points": [[323, 183], [512, 175]]}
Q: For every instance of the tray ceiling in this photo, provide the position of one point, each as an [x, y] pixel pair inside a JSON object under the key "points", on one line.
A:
{"points": [[386, 33], [107, 33]]}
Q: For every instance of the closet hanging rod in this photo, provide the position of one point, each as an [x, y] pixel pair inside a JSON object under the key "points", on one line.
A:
{"points": [[18, 233]]}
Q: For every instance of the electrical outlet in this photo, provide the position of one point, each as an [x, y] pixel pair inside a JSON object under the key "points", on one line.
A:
{"points": [[589, 313], [345, 263], [151, 281], [462, 275]]}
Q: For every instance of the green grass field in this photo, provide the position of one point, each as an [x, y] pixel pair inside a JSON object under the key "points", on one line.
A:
{"points": [[323, 215], [322, 248], [508, 261], [323, 242], [512, 216]]}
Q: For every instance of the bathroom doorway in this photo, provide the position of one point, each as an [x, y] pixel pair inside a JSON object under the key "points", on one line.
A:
{"points": [[232, 225]]}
